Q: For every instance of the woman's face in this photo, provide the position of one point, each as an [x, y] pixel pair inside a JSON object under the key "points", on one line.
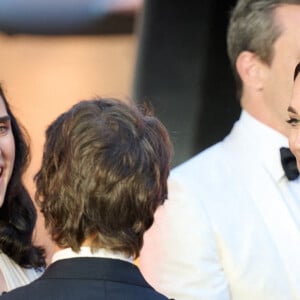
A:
{"points": [[7, 150], [294, 115]]}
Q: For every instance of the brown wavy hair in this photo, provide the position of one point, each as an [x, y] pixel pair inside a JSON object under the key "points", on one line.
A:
{"points": [[104, 173]]}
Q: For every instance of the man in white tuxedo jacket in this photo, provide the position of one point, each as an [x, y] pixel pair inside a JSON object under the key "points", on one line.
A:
{"points": [[231, 226]]}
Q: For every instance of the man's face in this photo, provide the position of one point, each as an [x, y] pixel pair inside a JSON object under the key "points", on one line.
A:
{"points": [[294, 121], [278, 78]]}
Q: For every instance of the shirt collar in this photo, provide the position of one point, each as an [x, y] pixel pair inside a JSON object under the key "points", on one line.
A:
{"points": [[86, 252], [266, 142]]}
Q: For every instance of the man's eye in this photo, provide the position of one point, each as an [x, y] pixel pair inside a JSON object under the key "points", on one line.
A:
{"points": [[293, 121]]}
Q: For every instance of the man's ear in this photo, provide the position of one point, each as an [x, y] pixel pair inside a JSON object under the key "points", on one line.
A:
{"points": [[250, 69]]}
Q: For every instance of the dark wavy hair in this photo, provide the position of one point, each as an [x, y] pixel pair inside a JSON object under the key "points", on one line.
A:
{"points": [[18, 213], [104, 173]]}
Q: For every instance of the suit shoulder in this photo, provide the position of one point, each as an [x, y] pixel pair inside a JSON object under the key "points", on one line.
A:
{"points": [[209, 164]]}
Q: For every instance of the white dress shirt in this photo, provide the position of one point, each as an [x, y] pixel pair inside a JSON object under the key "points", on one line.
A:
{"points": [[268, 142], [86, 252]]}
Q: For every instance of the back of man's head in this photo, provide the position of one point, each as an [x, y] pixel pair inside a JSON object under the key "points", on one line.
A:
{"points": [[104, 173]]}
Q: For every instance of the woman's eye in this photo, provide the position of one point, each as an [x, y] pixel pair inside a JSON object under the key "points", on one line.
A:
{"points": [[3, 128], [293, 121]]}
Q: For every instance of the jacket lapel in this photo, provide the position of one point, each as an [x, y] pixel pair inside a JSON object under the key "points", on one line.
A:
{"points": [[267, 196], [269, 193]]}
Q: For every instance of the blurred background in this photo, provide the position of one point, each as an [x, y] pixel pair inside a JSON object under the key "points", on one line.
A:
{"points": [[170, 53]]}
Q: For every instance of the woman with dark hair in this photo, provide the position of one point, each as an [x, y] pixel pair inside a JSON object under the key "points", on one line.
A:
{"points": [[103, 175], [20, 261]]}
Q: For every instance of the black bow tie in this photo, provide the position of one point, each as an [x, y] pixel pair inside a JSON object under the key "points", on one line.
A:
{"points": [[289, 163]]}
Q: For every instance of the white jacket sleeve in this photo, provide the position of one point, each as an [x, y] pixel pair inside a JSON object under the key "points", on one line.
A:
{"points": [[180, 255]]}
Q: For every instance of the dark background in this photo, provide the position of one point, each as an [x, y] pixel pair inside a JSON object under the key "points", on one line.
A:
{"points": [[183, 69], [182, 66]]}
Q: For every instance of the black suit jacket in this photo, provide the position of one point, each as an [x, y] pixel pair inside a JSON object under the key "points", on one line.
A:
{"points": [[87, 279]]}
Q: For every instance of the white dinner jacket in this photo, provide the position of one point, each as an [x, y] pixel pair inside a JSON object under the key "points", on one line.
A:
{"points": [[227, 230]]}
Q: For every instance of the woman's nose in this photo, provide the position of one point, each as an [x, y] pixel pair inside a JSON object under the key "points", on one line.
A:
{"points": [[294, 142], [297, 140]]}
